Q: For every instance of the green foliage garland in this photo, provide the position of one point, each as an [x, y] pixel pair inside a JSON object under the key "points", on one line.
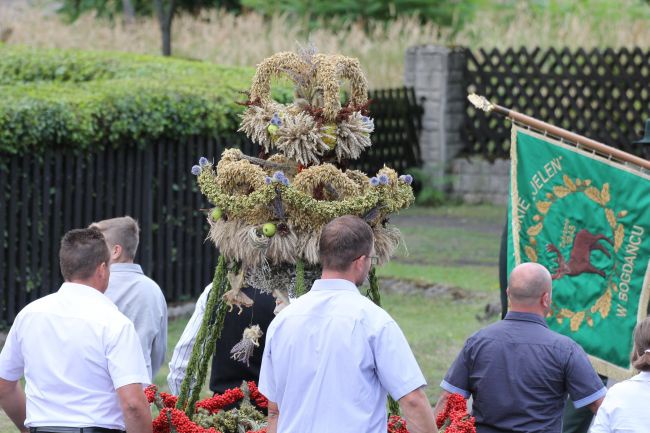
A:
{"points": [[300, 278], [306, 212], [202, 349]]}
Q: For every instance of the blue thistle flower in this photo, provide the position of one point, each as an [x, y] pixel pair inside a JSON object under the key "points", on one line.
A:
{"points": [[268, 180], [383, 179], [275, 120], [374, 181], [278, 176], [196, 170], [408, 179], [203, 161], [285, 181]]}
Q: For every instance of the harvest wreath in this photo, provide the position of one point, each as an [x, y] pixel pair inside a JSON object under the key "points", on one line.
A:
{"points": [[268, 210]]}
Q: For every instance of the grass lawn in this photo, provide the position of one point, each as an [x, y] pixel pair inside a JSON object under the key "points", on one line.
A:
{"points": [[455, 246]]}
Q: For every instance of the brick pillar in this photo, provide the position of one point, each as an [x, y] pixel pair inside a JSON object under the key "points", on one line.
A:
{"points": [[437, 75]]}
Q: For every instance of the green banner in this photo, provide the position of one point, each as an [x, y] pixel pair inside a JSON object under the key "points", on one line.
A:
{"points": [[587, 219]]}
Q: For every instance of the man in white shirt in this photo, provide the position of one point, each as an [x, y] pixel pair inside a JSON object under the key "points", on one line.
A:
{"points": [[332, 355], [80, 356], [137, 296]]}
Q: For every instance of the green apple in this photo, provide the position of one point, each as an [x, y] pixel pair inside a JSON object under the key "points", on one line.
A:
{"points": [[268, 229], [215, 214], [273, 129], [329, 135]]}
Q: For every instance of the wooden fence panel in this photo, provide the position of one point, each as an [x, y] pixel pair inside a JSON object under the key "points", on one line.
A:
{"points": [[42, 198], [601, 94]]}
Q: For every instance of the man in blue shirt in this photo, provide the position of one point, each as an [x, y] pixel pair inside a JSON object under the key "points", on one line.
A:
{"points": [[517, 370]]}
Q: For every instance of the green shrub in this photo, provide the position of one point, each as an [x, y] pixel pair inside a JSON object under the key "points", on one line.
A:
{"points": [[429, 187], [81, 100]]}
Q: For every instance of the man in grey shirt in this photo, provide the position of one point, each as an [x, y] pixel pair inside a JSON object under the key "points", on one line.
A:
{"points": [[137, 296]]}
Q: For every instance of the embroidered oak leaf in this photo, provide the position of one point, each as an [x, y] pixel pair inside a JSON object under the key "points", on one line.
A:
{"points": [[619, 235], [561, 191], [530, 253], [569, 183], [534, 230], [611, 219], [565, 312], [604, 195], [594, 194], [576, 320], [543, 206]]}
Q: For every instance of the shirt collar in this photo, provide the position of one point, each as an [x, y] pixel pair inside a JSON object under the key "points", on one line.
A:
{"points": [[334, 284], [643, 376], [83, 291], [126, 267], [526, 317]]}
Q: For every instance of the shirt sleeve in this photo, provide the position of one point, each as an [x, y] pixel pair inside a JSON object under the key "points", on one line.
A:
{"points": [[583, 383], [397, 369], [602, 419], [159, 344], [266, 383], [126, 364], [456, 380], [185, 344], [12, 363]]}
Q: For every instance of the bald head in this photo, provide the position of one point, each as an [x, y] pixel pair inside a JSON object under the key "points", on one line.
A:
{"points": [[528, 282]]}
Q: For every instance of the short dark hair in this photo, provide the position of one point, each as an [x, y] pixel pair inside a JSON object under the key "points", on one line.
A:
{"points": [[343, 240], [82, 250], [641, 358]]}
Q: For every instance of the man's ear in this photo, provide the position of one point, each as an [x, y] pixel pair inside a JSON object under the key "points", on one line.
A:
{"points": [[116, 252]]}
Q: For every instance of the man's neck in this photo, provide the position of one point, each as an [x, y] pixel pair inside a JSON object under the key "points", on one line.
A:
{"points": [[122, 261], [88, 282], [336, 275], [525, 309]]}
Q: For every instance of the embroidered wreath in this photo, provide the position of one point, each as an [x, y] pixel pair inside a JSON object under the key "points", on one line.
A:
{"points": [[603, 304]]}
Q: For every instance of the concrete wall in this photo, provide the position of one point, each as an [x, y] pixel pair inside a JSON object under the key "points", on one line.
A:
{"points": [[476, 180], [437, 75]]}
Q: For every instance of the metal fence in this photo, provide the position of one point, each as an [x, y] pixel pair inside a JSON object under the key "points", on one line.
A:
{"points": [[42, 197]]}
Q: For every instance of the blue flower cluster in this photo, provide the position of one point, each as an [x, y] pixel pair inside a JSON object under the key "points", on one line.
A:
{"points": [[406, 178], [196, 169], [368, 121], [278, 177], [275, 120], [382, 179]]}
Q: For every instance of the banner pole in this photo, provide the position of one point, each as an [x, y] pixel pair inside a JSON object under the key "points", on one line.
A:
{"points": [[482, 103]]}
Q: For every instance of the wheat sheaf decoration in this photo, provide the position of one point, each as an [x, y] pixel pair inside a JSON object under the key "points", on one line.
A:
{"points": [[315, 125], [268, 211]]}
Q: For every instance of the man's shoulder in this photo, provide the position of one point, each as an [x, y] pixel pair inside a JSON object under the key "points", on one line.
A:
{"points": [[143, 284], [42, 304]]}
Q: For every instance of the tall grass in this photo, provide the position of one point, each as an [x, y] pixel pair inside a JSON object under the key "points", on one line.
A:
{"points": [[229, 39]]}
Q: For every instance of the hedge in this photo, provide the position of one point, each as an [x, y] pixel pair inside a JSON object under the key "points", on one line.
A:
{"points": [[81, 99]]}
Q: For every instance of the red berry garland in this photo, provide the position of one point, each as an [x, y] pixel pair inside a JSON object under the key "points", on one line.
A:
{"points": [[397, 424], [454, 418], [180, 421], [218, 402]]}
